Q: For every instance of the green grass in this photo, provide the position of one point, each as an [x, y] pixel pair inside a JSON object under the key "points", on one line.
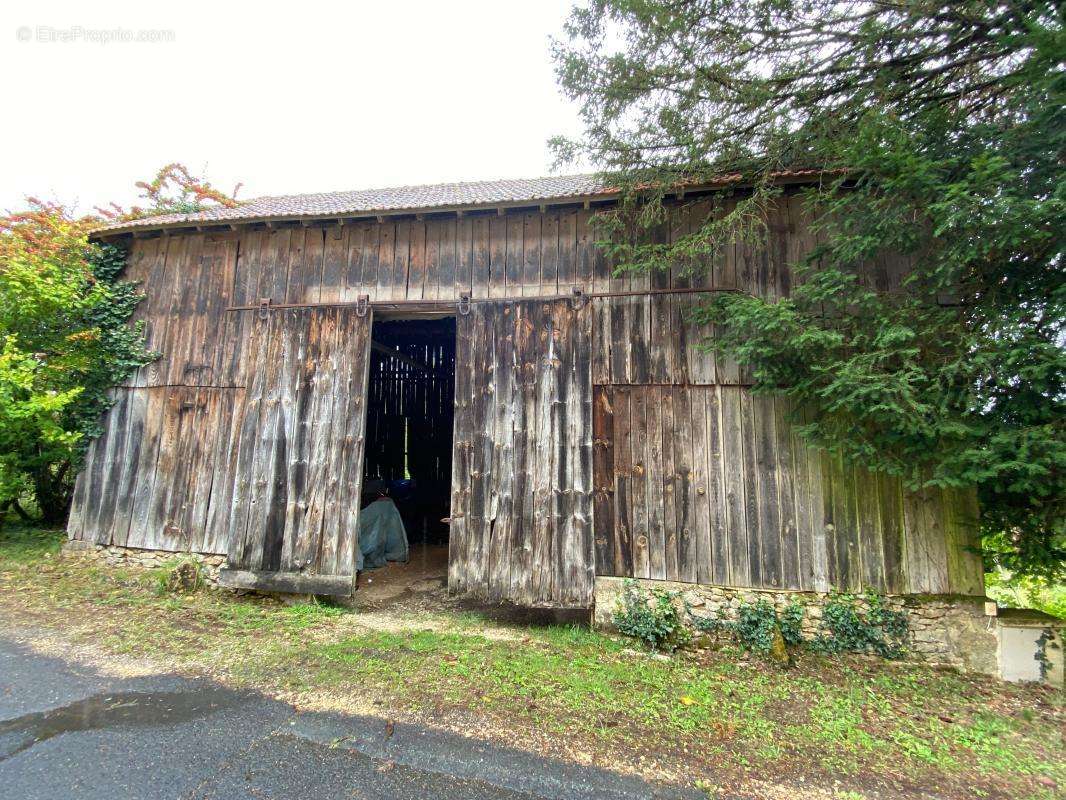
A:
{"points": [[836, 718], [22, 544]]}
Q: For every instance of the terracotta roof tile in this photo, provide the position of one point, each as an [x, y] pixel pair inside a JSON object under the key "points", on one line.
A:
{"points": [[440, 196], [400, 198]]}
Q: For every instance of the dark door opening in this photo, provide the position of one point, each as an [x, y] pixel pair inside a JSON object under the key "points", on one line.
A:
{"points": [[408, 453]]}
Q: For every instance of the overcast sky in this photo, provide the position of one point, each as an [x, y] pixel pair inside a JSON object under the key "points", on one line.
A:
{"points": [[285, 97]]}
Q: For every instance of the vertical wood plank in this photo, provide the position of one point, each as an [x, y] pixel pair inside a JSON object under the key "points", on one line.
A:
{"points": [[416, 271], [654, 485], [385, 262], [890, 511], [527, 325], [370, 269], [603, 479], [733, 452], [685, 501], [464, 528], [550, 256], [531, 252], [508, 394], [567, 244], [581, 563], [871, 546], [703, 486], [639, 506], [497, 256], [515, 268], [401, 258], [805, 511], [334, 264], [717, 489], [630, 543], [768, 501], [669, 485], [786, 482], [353, 274], [481, 258], [446, 264], [464, 256]]}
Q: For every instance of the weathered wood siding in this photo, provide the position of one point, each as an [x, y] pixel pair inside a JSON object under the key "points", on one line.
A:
{"points": [[710, 484], [163, 474], [156, 478], [522, 468], [518, 254], [246, 436], [296, 457]]}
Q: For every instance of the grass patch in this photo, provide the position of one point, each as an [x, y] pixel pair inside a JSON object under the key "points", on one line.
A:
{"points": [[22, 544], [710, 716]]}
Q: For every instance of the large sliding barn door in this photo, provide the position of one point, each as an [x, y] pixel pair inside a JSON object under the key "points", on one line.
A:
{"points": [[297, 464], [522, 467]]}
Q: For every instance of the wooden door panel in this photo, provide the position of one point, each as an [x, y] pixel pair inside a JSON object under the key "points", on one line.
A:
{"points": [[295, 500], [522, 465]]}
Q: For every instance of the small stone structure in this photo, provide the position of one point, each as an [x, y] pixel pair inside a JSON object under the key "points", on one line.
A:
{"points": [[966, 633], [113, 556]]}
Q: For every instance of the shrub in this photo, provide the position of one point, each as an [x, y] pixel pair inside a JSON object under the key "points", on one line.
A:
{"points": [[653, 617]]}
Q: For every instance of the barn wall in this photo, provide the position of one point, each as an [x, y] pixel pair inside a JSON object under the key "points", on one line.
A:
{"points": [[710, 484], [166, 447]]}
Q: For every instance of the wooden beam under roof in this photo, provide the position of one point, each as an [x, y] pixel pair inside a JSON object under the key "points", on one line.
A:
{"points": [[393, 353]]}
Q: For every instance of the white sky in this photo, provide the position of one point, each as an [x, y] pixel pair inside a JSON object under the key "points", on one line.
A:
{"points": [[287, 97]]}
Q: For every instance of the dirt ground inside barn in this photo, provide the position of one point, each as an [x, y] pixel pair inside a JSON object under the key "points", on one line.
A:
{"points": [[717, 720]]}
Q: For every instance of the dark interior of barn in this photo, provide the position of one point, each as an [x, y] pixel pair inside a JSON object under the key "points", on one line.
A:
{"points": [[410, 409]]}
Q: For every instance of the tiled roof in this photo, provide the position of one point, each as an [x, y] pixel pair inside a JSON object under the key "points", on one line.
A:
{"points": [[400, 198], [440, 196]]}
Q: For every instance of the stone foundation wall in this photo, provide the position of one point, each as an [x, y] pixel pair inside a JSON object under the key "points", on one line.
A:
{"points": [[954, 631], [112, 556]]}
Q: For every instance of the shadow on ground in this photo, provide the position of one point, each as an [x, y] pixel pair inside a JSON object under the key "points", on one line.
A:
{"points": [[69, 731]]}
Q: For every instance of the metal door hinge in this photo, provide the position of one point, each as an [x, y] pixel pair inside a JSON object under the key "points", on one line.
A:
{"points": [[362, 303], [464, 304]]}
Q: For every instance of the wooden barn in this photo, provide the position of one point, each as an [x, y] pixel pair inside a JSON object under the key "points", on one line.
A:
{"points": [[471, 338]]}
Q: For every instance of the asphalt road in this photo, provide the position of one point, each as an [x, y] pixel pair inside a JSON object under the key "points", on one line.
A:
{"points": [[68, 732]]}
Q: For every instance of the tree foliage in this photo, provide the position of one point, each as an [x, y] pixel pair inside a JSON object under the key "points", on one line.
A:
{"points": [[938, 133], [65, 343], [173, 190], [65, 337]]}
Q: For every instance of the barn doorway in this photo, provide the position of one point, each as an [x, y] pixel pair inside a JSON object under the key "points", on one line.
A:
{"points": [[408, 458]]}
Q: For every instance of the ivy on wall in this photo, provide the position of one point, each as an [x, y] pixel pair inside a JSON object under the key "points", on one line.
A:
{"points": [[662, 620]]}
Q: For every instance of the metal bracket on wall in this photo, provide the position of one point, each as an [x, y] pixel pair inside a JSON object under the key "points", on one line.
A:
{"points": [[264, 307], [577, 297], [362, 304], [464, 303]]}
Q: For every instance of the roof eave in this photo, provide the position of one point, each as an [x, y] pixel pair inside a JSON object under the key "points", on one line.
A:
{"points": [[346, 216], [601, 198]]}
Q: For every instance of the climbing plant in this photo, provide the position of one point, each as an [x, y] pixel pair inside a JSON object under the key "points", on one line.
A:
{"points": [[65, 337], [847, 627], [653, 617]]}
